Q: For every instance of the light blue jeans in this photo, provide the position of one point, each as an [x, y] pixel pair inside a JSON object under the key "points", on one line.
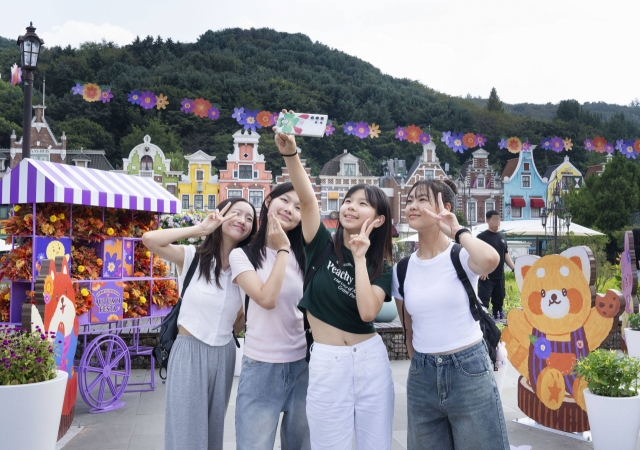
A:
{"points": [[264, 391], [453, 402]]}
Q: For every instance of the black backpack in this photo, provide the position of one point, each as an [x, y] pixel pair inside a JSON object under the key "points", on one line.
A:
{"points": [[307, 278], [169, 326], [490, 331]]}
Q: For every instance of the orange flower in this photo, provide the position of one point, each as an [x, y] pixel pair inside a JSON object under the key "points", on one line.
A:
{"points": [[470, 140], [636, 145], [374, 130], [514, 145], [598, 144], [201, 107], [91, 92], [161, 101], [413, 134], [265, 119], [568, 145]]}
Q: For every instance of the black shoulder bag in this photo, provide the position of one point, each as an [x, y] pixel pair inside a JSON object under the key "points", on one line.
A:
{"points": [[169, 326]]}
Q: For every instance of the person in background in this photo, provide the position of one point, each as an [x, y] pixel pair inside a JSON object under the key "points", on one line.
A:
{"points": [[491, 287]]}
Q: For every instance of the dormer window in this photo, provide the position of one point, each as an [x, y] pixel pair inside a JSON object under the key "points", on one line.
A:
{"points": [[527, 167], [349, 169], [146, 163], [199, 175], [481, 183]]}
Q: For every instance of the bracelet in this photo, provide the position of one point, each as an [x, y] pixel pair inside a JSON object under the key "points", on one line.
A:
{"points": [[282, 250], [291, 154], [459, 233]]}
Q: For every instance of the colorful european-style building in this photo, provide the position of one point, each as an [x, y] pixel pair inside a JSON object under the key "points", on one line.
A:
{"points": [[564, 174], [524, 190], [198, 189]]}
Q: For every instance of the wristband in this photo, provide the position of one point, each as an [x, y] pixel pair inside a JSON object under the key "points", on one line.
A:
{"points": [[282, 250], [290, 154], [459, 233]]}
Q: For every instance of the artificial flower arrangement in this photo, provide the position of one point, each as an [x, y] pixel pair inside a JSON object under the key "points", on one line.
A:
{"points": [[143, 221], [16, 264], [51, 220], [26, 357], [135, 299], [117, 223], [87, 223], [183, 220], [84, 298], [165, 293], [85, 264], [5, 296]]}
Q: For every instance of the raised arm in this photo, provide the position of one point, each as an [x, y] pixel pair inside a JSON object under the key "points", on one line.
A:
{"points": [[308, 203]]}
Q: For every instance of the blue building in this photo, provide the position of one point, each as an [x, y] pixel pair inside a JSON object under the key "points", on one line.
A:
{"points": [[525, 191]]}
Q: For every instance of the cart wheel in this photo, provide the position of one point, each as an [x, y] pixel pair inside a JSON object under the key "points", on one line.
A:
{"points": [[101, 380]]}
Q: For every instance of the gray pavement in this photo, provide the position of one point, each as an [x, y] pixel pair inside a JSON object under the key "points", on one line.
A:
{"points": [[139, 425]]}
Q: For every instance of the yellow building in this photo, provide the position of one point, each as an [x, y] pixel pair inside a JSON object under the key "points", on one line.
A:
{"points": [[198, 189], [566, 174]]}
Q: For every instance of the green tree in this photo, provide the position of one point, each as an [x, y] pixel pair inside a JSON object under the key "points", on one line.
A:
{"points": [[85, 134], [161, 135], [494, 103], [568, 110]]}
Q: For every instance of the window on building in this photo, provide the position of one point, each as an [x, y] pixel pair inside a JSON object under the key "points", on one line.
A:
{"points": [[198, 202], [199, 175], [526, 181], [211, 203], [516, 212], [185, 201], [429, 174], [234, 193], [488, 206], [350, 169], [567, 182], [472, 212], [332, 204], [255, 198], [171, 188], [480, 184], [535, 213], [146, 163], [245, 172], [527, 167], [81, 163]]}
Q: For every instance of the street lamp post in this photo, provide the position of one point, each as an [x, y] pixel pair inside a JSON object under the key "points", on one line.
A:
{"points": [[555, 208], [30, 45]]}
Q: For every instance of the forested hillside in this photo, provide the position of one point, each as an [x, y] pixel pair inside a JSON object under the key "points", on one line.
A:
{"points": [[266, 69]]}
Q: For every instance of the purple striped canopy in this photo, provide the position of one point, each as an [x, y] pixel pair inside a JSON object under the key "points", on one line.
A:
{"points": [[34, 181]]}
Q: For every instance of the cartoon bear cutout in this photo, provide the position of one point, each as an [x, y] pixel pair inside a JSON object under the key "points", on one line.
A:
{"points": [[56, 298], [558, 324]]}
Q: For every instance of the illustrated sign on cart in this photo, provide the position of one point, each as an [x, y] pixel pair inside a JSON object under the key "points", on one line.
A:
{"points": [[107, 301], [561, 321]]}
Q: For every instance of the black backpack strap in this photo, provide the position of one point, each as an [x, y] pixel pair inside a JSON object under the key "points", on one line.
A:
{"points": [[462, 275], [401, 273], [192, 269]]}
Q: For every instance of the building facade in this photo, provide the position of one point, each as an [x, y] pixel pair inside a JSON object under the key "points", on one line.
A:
{"points": [[479, 188], [524, 190], [566, 175], [246, 175], [284, 178], [198, 189]]}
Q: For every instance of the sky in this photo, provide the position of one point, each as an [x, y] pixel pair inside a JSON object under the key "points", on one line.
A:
{"points": [[530, 51]]}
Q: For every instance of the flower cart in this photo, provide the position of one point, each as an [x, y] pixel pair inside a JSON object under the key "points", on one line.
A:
{"points": [[83, 227]]}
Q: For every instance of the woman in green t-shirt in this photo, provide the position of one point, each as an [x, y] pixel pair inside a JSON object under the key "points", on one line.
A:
{"points": [[350, 384]]}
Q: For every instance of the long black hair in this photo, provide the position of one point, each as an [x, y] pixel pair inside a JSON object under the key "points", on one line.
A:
{"points": [[210, 250], [380, 247], [258, 247]]}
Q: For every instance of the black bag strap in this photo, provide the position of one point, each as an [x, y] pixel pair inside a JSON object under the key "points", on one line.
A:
{"points": [[187, 278], [401, 273], [462, 275]]}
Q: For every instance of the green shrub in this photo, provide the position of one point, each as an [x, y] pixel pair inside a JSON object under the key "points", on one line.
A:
{"points": [[634, 322], [609, 373]]}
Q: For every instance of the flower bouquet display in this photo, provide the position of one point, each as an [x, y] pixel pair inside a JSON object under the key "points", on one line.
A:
{"points": [[16, 265], [84, 298], [187, 219], [136, 295], [85, 264], [51, 220], [87, 223]]}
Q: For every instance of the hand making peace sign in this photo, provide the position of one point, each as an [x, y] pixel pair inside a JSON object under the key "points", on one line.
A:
{"points": [[446, 220], [360, 242], [217, 218]]}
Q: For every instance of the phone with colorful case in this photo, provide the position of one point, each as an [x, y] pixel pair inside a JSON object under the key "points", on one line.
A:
{"points": [[302, 124]]}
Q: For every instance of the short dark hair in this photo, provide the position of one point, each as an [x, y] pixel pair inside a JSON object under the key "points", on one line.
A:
{"points": [[492, 213]]}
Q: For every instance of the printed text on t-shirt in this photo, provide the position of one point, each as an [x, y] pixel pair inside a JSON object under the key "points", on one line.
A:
{"points": [[343, 279]]}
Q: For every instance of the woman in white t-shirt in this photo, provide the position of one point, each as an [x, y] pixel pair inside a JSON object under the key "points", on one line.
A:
{"points": [[452, 397], [275, 374], [202, 360]]}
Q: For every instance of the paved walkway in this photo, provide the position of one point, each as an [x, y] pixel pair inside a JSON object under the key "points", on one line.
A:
{"points": [[139, 425]]}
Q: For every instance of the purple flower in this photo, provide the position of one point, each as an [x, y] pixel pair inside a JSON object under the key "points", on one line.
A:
{"points": [[502, 144], [542, 348], [526, 146], [329, 129], [213, 113], [456, 143], [237, 114], [445, 137], [134, 97], [106, 96], [187, 106], [401, 133], [425, 138], [249, 120], [608, 147], [362, 130], [112, 264], [619, 144], [546, 143], [147, 100], [588, 144], [350, 128], [78, 89], [628, 150], [39, 360], [557, 144], [275, 118], [481, 140]]}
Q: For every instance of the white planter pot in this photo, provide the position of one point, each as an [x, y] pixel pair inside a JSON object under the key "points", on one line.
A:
{"points": [[615, 422], [239, 353], [30, 413], [632, 338]]}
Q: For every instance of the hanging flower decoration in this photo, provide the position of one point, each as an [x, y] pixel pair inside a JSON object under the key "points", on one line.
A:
{"points": [[237, 113], [106, 96], [598, 144], [608, 148], [425, 138], [91, 92], [161, 102], [526, 146], [186, 106], [568, 145], [413, 134], [401, 133], [457, 143], [78, 89], [213, 113], [588, 145], [374, 130], [514, 145], [628, 150], [329, 129], [546, 143], [636, 145], [446, 136], [16, 75], [502, 144], [147, 100], [619, 145], [557, 144], [249, 120], [362, 130], [201, 107], [481, 140], [350, 128], [134, 97], [470, 140], [265, 119]]}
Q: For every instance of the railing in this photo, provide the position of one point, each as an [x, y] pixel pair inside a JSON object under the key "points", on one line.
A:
{"points": [[146, 173]]}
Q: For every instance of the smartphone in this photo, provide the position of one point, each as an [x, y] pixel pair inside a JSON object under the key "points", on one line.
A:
{"points": [[302, 124]]}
